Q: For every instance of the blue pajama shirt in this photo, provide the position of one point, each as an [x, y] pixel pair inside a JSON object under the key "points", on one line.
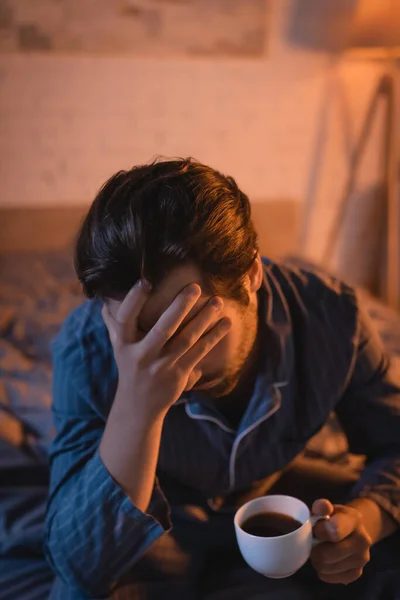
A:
{"points": [[320, 355]]}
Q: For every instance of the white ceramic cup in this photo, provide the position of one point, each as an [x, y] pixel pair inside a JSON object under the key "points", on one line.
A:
{"points": [[280, 556]]}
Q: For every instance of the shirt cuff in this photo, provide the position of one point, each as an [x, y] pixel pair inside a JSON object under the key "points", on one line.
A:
{"points": [[382, 501], [380, 482]]}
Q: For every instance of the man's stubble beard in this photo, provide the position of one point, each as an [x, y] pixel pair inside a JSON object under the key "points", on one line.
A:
{"points": [[246, 354]]}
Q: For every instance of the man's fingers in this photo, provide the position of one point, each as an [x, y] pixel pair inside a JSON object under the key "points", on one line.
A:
{"points": [[325, 532], [205, 344], [334, 552], [354, 561], [345, 551], [195, 329], [129, 311], [342, 523], [330, 553], [172, 318], [193, 379], [110, 323], [322, 508], [344, 578]]}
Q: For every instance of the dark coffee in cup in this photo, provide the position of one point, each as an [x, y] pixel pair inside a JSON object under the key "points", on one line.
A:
{"points": [[270, 524]]}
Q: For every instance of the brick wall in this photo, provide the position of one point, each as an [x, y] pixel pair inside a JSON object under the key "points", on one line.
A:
{"points": [[283, 125]]}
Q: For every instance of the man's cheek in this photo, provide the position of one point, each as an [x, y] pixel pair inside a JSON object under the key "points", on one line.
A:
{"points": [[217, 357]]}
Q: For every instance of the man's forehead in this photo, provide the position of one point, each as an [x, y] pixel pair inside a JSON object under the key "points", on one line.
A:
{"points": [[163, 296], [159, 303]]}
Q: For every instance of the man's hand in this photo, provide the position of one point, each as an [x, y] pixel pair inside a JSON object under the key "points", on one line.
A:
{"points": [[155, 369], [346, 543]]}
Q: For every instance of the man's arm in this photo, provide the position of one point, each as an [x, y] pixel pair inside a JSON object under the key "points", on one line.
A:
{"points": [[154, 371], [369, 412], [105, 507], [94, 532]]}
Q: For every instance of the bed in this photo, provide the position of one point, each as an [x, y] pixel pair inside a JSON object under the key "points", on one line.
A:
{"points": [[37, 290]]}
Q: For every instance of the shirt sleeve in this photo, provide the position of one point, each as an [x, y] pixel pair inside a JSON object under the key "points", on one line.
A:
{"points": [[369, 412], [94, 533]]}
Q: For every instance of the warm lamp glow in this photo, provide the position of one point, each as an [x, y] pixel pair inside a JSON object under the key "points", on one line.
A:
{"points": [[376, 28]]}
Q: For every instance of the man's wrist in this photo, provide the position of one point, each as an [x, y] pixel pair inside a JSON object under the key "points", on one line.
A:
{"points": [[378, 523], [144, 413]]}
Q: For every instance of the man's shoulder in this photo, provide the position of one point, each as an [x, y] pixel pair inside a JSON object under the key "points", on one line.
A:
{"points": [[309, 279], [322, 317], [311, 290], [82, 333], [83, 358]]}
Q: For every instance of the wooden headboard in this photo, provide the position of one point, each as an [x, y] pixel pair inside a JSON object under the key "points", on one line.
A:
{"points": [[22, 229]]}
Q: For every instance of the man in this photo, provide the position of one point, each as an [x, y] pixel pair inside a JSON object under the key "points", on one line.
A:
{"points": [[189, 383]]}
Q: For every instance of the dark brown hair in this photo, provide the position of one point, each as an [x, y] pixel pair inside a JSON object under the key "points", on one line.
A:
{"points": [[146, 221]]}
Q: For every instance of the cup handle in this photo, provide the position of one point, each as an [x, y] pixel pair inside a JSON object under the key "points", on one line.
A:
{"points": [[314, 520]]}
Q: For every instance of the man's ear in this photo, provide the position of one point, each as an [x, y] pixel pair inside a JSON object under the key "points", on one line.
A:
{"points": [[255, 275]]}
